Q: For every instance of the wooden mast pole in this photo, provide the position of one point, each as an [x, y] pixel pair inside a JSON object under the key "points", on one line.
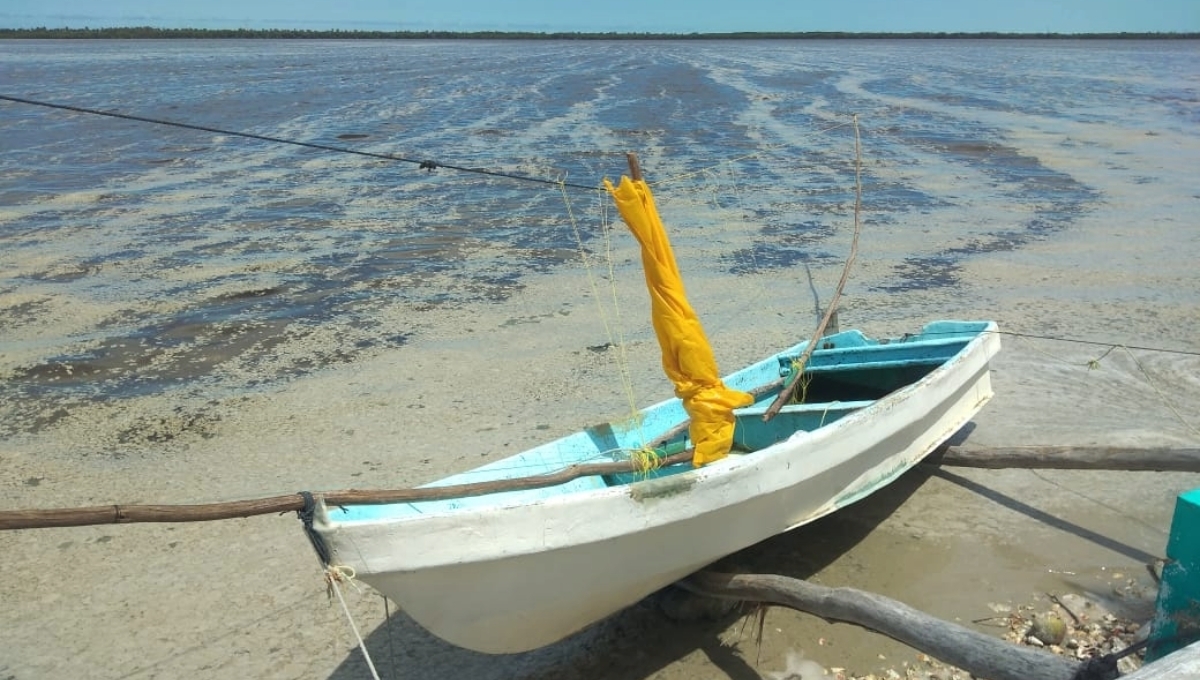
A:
{"points": [[786, 394], [635, 169]]}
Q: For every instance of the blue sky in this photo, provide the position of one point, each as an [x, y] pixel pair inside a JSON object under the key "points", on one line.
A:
{"points": [[677, 16]]}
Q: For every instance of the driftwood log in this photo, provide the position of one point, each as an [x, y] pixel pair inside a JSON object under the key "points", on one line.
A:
{"points": [[1072, 458], [981, 655]]}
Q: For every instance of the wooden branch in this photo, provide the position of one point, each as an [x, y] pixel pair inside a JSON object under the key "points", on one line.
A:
{"points": [[1072, 458], [126, 514], [981, 655], [786, 395]]}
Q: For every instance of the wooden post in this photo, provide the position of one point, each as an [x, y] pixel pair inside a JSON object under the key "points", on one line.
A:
{"points": [[635, 169]]}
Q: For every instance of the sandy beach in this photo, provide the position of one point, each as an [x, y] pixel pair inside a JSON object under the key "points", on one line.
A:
{"points": [[244, 598]]}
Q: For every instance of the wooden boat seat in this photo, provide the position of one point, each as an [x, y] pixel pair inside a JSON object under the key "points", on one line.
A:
{"points": [[751, 433]]}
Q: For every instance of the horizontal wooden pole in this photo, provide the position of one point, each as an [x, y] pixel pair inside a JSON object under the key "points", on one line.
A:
{"points": [[1046, 457], [981, 655], [1159, 459], [128, 514]]}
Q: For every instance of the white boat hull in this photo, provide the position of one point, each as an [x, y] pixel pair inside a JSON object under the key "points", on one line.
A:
{"points": [[511, 579]]}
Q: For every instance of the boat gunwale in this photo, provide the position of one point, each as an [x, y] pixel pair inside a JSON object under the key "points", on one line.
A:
{"points": [[731, 468]]}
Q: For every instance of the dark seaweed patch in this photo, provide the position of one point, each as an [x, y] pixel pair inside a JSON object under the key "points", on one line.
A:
{"points": [[250, 294], [21, 314], [781, 246], [1060, 199], [67, 275], [166, 428]]}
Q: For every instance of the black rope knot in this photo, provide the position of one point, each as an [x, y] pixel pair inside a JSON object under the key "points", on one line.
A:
{"points": [[1105, 667], [307, 514], [1097, 668], [429, 165]]}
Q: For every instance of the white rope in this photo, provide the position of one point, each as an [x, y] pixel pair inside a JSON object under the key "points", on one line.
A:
{"points": [[332, 576]]}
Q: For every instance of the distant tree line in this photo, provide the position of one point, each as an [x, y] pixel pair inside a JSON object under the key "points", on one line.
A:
{"points": [[148, 32]]}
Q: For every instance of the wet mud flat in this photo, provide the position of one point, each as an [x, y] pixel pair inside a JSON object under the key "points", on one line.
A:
{"points": [[245, 597]]}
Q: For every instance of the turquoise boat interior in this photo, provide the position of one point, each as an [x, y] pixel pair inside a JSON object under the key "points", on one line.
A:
{"points": [[847, 372]]}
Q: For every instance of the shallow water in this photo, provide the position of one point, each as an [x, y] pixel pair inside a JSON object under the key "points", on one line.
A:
{"points": [[141, 259]]}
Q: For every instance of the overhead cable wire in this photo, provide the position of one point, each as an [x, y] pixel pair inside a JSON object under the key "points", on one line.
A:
{"points": [[423, 164]]}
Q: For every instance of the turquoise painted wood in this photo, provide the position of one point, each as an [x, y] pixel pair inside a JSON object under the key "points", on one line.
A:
{"points": [[1177, 617], [846, 372]]}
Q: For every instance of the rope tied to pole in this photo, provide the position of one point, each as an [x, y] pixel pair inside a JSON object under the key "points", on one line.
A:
{"points": [[334, 574], [307, 515]]}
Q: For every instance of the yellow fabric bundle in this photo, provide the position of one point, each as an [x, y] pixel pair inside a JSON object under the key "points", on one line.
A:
{"points": [[687, 357]]}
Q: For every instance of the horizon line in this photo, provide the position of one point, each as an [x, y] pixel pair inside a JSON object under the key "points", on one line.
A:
{"points": [[495, 33]]}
